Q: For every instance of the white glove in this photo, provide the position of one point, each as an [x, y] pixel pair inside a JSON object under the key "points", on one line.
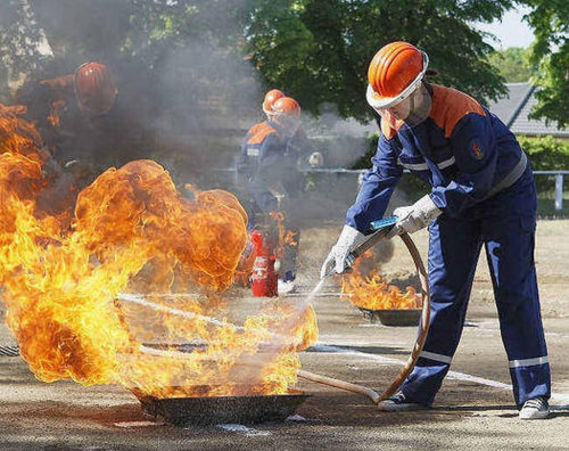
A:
{"points": [[316, 160], [337, 257], [414, 217]]}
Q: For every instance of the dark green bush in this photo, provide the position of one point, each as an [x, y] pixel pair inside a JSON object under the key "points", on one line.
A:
{"points": [[546, 154]]}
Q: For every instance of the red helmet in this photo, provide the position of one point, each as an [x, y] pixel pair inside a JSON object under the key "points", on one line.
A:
{"points": [[286, 106], [394, 73], [94, 88], [270, 98]]}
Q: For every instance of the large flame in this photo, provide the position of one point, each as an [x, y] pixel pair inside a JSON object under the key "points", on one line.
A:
{"points": [[131, 231], [372, 292], [286, 237]]}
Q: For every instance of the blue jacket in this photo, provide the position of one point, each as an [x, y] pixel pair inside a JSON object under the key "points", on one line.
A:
{"points": [[462, 150], [267, 157]]}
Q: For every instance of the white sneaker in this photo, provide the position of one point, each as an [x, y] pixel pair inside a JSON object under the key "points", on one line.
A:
{"points": [[399, 402], [535, 409], [286, 287]]}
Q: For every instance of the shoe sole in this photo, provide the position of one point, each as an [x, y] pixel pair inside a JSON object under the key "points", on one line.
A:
{"points": [[535, 415], [387, 406]]}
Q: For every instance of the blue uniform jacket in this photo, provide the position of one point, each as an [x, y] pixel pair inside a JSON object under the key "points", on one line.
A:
{"points": [[267, 158], [462, 150]]}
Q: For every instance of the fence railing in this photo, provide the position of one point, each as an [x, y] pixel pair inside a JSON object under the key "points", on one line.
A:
{"points": [[558, 186], [559, 176]]}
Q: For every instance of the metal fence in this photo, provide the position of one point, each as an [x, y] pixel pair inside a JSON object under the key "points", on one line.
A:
{"points": [[559, 175], [558, 186]]}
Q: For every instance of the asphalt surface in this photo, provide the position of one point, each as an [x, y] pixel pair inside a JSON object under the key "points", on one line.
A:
{"points": [[474, 408]]}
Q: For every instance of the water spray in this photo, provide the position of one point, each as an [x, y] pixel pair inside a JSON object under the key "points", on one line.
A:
{"points": [[382, 228]]}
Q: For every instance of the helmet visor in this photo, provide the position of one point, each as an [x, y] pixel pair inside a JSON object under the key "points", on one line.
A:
{"points": [[420, 107], [411, 111]]}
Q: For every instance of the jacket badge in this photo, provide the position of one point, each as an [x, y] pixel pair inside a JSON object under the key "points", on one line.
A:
{"points": [[477, 151]]}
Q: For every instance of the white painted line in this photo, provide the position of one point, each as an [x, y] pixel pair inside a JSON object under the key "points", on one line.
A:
{"points": [[319, 295], [296, 418], [140, 300], [232, 427], [557, 397], [456, 375], [138, 424], [249, 432]]}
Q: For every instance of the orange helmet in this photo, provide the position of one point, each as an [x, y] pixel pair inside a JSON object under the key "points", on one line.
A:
{"points": [[394, 73], [270, 98], [94, 87], [286, 106]]}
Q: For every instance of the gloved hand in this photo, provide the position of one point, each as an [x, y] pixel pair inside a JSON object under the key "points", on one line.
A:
{"points": [[316, 160], [414, 217], [337, 257]]}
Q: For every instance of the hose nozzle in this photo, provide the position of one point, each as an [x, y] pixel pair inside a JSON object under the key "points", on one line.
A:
{"points": [[380, 230]]}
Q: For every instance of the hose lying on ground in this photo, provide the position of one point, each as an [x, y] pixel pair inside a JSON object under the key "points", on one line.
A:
{"points": [[417, 348]]}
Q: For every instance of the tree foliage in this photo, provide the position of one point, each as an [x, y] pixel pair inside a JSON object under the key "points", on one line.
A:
{"points": [[19, 41], [546, 153], [513, 64], [550, 53], [315, 50], [320, 49], [113, 31]]}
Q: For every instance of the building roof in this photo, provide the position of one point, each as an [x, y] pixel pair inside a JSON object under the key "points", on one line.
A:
{"points": [[514, 110]]}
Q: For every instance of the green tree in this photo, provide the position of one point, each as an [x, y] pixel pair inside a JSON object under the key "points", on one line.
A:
{"points": [[550, 54], [318, 50], [513, 64], [143, 31], [19, 42]]}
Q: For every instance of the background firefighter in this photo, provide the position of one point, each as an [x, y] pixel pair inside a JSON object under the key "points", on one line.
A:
{"points": [[268, 168], [298, 144], [71, 113], [482, 193]]}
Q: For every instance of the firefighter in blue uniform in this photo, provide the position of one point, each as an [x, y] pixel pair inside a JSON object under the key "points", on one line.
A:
{"points": [[268, 165], [482, 194]]}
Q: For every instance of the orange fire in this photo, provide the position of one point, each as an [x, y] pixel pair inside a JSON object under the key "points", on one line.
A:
{"points": [[54, 117], [372, 292], [286, 236], [66, 282]]}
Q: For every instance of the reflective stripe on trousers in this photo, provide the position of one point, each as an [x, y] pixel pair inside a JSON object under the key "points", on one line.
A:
{"points": [[454, 248]]}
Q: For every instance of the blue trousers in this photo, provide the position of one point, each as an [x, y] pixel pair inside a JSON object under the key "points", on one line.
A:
{"points": [[505, 225]]}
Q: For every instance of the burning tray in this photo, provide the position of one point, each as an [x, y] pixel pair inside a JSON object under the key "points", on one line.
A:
{"points": [[398, 317], [202, 411]]}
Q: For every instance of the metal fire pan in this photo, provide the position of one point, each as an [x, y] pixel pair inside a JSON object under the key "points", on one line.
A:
{"points": [[203, 411], [397, 317]]}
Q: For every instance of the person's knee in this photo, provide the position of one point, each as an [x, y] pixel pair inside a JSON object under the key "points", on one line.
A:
{"points": [[513, 305]]}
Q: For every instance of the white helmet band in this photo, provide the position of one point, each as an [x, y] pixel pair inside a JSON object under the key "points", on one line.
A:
{"points": [[380, 103]]}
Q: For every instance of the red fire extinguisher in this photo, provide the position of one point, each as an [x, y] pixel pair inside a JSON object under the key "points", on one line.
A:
{"points": [[264, 278]]}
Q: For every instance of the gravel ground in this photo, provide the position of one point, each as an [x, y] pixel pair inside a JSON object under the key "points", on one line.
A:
{"points": [[469, 413]]}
